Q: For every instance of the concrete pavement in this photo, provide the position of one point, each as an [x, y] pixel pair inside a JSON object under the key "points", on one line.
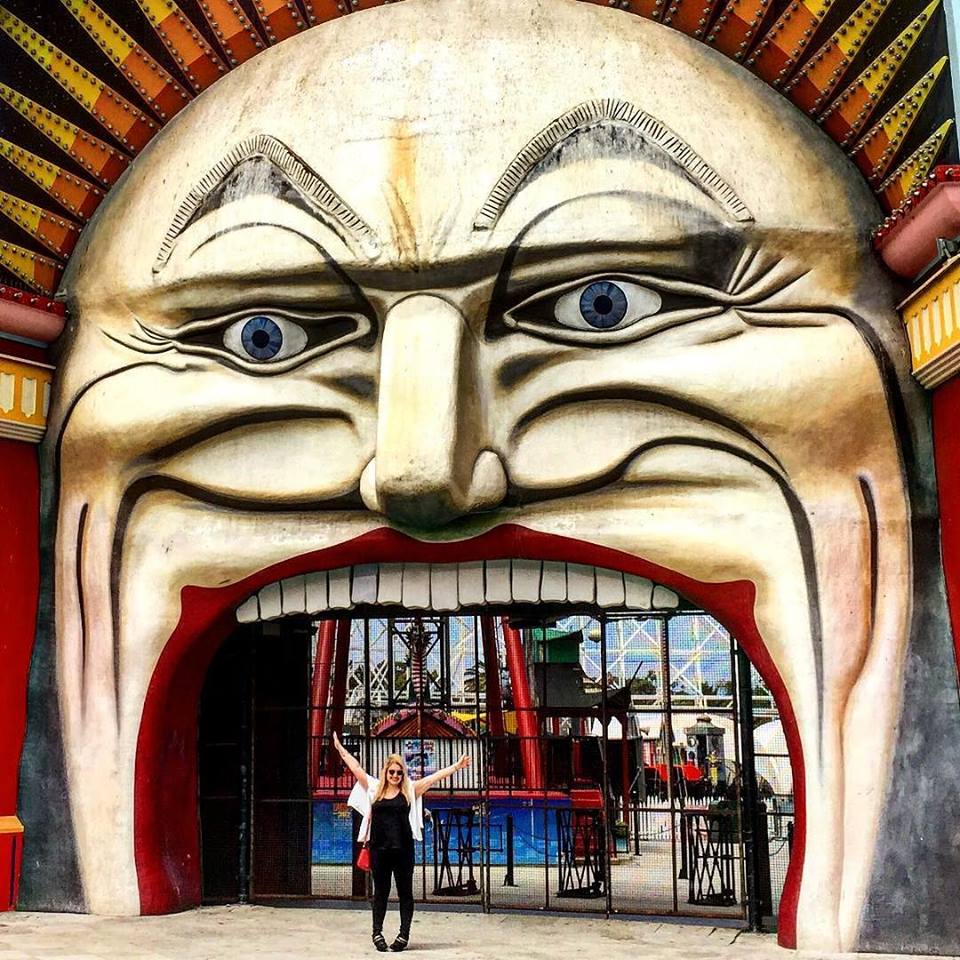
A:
{"points": [[268, 933]]}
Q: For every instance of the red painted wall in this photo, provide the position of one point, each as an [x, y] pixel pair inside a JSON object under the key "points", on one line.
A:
{"points": [[19, 587], [946, 447]]}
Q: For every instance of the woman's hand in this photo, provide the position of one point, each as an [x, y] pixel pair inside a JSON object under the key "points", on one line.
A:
{"points": [[336, 742], [423, 785]]}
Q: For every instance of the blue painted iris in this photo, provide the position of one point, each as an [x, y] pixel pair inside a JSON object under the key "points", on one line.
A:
{"points": [[261, 338], [603, 304]]}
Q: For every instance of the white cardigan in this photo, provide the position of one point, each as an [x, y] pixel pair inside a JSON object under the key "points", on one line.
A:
{"points": [[362, 801]]}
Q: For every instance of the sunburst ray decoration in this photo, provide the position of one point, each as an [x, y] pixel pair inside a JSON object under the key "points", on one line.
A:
{"points": [[868, 71]]}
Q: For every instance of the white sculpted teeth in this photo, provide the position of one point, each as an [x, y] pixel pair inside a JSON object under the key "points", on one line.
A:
{"points": [[452, 586]]}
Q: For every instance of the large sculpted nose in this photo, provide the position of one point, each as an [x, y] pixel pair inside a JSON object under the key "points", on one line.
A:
{"points": [[431, 464]]}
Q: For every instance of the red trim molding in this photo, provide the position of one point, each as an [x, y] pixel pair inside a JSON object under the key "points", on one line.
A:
{"points": [[30, 315], [946, 446], [20, 579]]}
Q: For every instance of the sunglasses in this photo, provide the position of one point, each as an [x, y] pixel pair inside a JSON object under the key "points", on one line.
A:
{"points": [[394, 773]]}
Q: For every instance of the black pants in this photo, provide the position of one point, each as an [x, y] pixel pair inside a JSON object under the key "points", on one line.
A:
{"points": [[397, 864]]}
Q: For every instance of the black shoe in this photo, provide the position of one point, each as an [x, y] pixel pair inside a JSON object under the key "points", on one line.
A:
{"points": [[380, 943], [400, 943]]}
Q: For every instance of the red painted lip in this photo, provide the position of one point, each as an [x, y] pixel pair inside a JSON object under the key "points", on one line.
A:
{"points": [[165, 790]]}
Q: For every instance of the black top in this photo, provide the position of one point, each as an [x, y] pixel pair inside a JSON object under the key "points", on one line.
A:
{"points": [[390, 825]]}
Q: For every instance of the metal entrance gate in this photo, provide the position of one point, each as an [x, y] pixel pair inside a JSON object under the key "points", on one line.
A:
{"points": [[609, 759]]}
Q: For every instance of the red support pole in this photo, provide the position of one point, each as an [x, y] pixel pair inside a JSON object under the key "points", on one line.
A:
{"points": [[527, 722], [340, 664], [320, 695], [491, 662]]}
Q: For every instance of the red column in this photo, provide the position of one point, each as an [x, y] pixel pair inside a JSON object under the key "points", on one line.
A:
{"points": [[320, 694], [341, 662], [20, 579], [527, 723], [946, 446], [491, 660]]}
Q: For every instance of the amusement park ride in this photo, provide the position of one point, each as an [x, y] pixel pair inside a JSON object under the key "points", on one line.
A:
{"points": [[594, 750]]}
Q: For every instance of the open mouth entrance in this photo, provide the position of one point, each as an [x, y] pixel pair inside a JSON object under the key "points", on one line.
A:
{"points": [[622, 760]]}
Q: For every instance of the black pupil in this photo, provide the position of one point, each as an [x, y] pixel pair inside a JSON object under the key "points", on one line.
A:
{"points": [[260, 338], [603, 304]]}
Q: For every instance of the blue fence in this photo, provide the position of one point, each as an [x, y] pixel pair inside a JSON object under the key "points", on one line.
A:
{"points": [[534, 832]]}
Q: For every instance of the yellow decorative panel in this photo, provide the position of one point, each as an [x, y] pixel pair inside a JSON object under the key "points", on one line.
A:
{"points": [[933, 325], [24, 398]]}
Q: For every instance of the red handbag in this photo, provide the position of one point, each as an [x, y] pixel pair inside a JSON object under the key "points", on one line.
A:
{"points": [[363, 859]]}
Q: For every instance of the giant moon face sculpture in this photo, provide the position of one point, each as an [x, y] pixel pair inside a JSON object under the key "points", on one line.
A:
{"points": [[495, 278]]}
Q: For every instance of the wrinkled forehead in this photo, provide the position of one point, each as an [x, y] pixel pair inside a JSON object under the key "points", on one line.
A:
{"points": [[436, 136]]}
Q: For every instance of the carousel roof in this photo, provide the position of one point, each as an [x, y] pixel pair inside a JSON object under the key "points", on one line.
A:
{"points": [[86, 84]]}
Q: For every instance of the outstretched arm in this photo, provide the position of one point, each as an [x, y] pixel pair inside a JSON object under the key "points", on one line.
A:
{"points": [[422, 786], [351, 763]]}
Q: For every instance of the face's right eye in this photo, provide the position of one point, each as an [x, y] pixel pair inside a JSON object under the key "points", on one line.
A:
{"points": [[265, 338]]}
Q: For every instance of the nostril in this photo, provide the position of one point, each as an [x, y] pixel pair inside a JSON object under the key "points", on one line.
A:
{"points": [[488, 486], [368, 487]]}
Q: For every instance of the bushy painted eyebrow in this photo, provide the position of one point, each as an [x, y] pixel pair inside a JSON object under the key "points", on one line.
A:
{"points": [[322, 200], [593, 114]]}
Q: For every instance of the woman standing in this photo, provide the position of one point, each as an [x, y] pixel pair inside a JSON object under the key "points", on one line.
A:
{"points": [[392, 813]]}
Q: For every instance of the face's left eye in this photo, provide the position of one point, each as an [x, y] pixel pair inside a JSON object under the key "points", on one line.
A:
{"points": [[601, 310], [606, 304], [265, 338]]}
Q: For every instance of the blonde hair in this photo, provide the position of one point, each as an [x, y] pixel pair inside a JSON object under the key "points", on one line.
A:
{"points": [[405, 785]]}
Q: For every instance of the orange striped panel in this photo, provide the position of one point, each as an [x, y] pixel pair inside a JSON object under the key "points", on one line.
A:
{"points": [[155, 85], [913, 171], [280, 18], [691, 17], [40, 273], [785, 43], [78, 196], [848, 114], [738, 26], [104, 162], [234, 30], [876, 152], [812, 87], [319, 11], [55, 233], [194, 56], [130, 125]]}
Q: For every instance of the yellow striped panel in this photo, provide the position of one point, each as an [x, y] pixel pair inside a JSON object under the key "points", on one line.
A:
{"points": [[931, 318], [154, 84], [41, 172], [900, 118], [25, 215], [77, 195], [96, 156], [24, 402], [56, 233], [894, 57], [100, 100], [82, 85], [194, 56], [39, 273], [850, 36], [913, 171]]}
